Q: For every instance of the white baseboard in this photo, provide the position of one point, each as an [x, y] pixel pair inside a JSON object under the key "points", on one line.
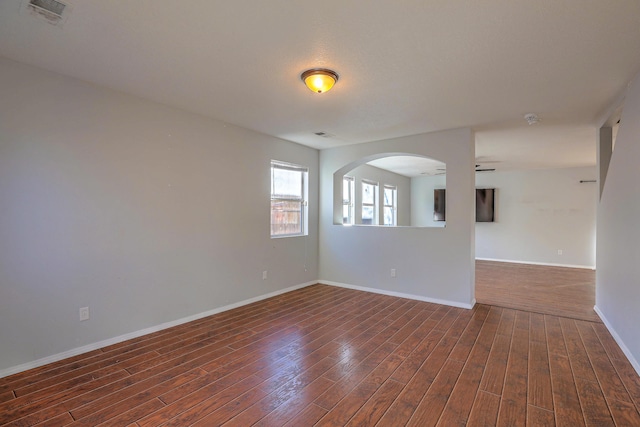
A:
{"points": [[616, 337], [131, 335], [548, 264], [399, 294]]}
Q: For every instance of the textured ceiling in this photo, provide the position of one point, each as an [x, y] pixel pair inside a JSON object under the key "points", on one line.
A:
{"points": [[405, 67]]}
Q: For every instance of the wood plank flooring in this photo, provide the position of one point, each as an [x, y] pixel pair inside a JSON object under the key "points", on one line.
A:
{"points": [[329, 356], [561, 291]]}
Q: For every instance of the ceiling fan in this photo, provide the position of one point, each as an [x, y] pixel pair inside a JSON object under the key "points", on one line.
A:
{"points": [[481, 169], [478, 168]]}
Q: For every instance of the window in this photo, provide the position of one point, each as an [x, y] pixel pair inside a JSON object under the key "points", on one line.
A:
{"points": [[288, 199], [390, 203], [348, 190], [369, 202]]}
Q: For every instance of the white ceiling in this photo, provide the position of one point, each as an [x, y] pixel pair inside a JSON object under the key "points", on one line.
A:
{"points": [[410, 166], [406, 67]]}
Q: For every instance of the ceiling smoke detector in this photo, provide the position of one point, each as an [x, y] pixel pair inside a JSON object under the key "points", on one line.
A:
{"points": [[52, 11], [531, 118]]}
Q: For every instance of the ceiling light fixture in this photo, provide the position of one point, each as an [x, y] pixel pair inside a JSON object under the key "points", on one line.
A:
{"points": [[531, 118], [319, 80]]}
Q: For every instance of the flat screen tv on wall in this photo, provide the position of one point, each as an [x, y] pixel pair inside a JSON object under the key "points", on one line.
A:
{"points": [[484, 205]]}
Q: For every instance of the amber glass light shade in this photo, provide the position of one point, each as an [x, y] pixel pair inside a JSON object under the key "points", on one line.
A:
{"points": [[319, 80]]}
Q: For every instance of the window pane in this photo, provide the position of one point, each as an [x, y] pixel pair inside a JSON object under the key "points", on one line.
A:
{"points": [[388, 196], [286, 183], [367, 215], [347, 200], [368, 193], [346, 191], [288, 190], [286, 217], [388, 216]]}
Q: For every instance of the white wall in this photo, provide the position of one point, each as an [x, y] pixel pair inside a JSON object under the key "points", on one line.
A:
{"points": [[539, 212], [618, 273], [144, 213], [422, 200], [432, 263], [382, 177]]}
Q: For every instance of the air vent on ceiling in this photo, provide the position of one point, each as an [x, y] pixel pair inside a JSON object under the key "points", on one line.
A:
{"points": [[324, 134], [53, 11]]}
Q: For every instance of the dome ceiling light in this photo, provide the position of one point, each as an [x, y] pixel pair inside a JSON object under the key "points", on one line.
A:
{"points": [[531, 118], [319, 80]]}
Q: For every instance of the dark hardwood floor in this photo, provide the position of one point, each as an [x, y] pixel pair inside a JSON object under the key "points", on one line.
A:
{"points": [[329, 356], [568, 292]]}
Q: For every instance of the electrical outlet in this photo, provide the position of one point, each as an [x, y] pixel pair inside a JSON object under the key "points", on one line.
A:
{"points": [[264, 275], [84, 313], [393, 272], [559, 251]]}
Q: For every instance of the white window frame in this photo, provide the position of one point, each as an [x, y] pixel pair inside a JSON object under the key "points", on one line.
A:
{"points": [[393, 205], [349, 202], [304, 208], [374, 205]]}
